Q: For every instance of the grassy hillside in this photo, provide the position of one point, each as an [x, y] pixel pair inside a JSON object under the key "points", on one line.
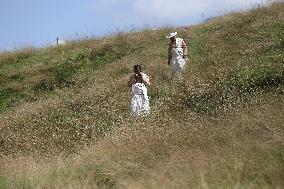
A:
{"points": [[64, 111]]}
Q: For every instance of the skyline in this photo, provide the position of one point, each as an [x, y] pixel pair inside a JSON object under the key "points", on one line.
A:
{"points": [[38, 23]]}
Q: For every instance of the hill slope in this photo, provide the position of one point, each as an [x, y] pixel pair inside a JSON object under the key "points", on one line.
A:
{"points": [[65, 111]]}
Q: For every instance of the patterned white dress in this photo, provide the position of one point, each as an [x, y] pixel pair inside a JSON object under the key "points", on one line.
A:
{"points": [[139, 101], [177, 62]]}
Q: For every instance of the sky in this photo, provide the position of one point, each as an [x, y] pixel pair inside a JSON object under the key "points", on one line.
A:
{"points": [[39, 22]]}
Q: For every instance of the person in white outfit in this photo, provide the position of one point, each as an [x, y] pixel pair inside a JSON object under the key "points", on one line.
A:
{"points": [[138, 82], [177, 54]]}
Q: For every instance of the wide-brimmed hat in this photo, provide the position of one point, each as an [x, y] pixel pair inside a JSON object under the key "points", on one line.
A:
{"points": [[172, 34]]}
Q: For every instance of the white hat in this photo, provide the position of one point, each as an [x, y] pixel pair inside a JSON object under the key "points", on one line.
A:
{"points": [[172, 34]]}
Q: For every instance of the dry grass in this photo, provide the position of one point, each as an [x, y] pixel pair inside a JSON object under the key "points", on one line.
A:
{"points": [[221, 126]]}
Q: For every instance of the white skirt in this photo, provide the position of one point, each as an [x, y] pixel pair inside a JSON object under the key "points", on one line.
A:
{"points": [[178, 64], [139, 101]]}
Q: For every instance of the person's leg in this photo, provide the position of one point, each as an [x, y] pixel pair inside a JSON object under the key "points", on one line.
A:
{"points": [[134, 106], [174, 67], [180, 67]]}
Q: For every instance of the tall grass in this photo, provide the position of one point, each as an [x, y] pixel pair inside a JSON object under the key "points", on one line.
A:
{"points": [[65, 119]]}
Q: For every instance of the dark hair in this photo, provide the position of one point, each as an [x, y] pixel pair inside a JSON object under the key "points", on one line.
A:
{"points": [[137, 68]]}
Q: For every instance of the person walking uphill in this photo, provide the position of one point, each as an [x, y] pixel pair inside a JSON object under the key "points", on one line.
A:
{"points": [[177, 54], [139, 101]]}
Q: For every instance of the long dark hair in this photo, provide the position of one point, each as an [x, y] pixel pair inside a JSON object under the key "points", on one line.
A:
{"points": [[137, 68]]}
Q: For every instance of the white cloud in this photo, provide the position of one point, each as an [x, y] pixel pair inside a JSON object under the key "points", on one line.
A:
{"points": [[168, 9], [175, 9], [235, 5], [163, 12]]}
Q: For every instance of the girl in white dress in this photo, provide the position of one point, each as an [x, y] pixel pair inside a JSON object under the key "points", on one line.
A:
{"points": [[177, 54], [139, 101]]}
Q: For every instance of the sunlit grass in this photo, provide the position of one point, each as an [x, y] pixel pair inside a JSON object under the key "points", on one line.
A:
{"points": [[65, 119]]}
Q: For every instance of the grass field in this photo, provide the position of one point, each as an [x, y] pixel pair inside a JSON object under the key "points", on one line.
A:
{"points": [[64, 111]]}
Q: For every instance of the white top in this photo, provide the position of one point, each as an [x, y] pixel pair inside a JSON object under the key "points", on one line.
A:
{"points": [[177, 49]]}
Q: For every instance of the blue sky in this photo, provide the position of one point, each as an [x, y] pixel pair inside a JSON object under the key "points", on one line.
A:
{"points": [[39, 22]]}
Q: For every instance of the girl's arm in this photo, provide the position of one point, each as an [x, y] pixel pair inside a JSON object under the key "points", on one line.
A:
{"points": [[146, 79], [184, 46], [131, 81], [169, 53]]}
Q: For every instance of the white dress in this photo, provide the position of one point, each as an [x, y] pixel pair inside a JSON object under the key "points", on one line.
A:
{"points": [[139, 101], [177, 62]]}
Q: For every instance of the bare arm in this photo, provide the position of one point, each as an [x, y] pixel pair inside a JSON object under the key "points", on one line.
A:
{"points": [[146, 79], [184, 46], [131, 81], [169, 53]]}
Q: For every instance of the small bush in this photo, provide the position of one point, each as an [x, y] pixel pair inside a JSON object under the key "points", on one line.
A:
{"points": [[64, 75], [44, 85], [109, 53], [232, 90], [8, 97], [251, 79]]}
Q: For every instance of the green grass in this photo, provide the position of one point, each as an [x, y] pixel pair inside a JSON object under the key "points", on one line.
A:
{"points": [[9, 97], [93, 176], [14, 182], [65, 123]]}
